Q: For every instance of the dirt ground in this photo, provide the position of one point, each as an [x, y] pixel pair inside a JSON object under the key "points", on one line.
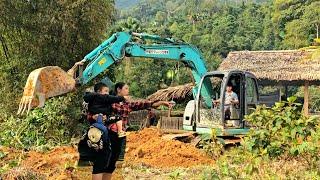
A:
{"points": [[146, 153], [147, 147]]}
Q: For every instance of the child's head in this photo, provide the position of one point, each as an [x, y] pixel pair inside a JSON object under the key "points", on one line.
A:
{"points": [[101, 88]]}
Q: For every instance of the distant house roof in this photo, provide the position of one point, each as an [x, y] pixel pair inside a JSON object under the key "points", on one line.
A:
{"points": [[285, 66]]}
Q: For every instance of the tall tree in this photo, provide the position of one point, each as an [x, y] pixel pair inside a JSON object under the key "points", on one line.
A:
{"points": [[312, 17], [39, 33]]}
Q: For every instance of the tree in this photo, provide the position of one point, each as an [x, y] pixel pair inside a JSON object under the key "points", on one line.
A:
{"points": [[266, 40], [41, 33], [161, 17], [312, 16], [296, 35], [249, 27], [286, 11], [56, 33]]}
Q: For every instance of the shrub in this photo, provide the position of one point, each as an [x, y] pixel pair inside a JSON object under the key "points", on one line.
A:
{"points": [[54, 124], [282, 129], [212, 145]]}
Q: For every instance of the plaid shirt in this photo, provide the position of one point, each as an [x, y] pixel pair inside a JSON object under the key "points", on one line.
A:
{"points": [[124, 108]]}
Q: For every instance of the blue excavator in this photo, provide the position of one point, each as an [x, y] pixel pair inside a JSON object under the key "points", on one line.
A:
{"points": [[207, 112]]}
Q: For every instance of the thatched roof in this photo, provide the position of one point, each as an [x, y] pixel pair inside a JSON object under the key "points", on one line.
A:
{"points": [[277, 66], [172, 93]]}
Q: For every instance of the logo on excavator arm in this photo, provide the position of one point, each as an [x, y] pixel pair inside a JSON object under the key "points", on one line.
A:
{"points": [[102, 61], [156, 51]]}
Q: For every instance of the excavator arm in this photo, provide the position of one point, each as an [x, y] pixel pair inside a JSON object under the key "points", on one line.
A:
{"points": [[113, 50], [120, 45]]}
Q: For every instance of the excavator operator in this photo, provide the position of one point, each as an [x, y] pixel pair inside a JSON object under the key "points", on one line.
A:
{"points": [[231, 98]]}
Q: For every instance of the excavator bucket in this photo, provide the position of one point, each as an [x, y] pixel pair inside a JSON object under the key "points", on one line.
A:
{"points": [[43, 83]]}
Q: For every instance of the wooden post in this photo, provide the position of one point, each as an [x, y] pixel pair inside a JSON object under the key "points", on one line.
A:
{"points": [[286, 91], [306, 98], [159, 123], [280, 92]]}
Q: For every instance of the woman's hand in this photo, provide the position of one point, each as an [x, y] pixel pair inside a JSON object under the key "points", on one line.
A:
{"points": [[164, 103], [167, 103]]}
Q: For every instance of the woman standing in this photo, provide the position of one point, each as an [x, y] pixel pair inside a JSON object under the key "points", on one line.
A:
{"points": [[123, 109]]}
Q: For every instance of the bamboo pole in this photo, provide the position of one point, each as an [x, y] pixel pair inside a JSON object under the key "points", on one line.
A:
{"points": [[306, 98]]}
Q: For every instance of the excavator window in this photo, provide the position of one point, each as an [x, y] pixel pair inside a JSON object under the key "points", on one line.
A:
{"points": [[251, 95]]}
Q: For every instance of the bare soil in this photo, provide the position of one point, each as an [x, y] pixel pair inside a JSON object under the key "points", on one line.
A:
{"points": [[144, 148]]}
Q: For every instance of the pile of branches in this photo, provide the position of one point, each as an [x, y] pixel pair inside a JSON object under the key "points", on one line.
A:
{"points": [[172, 93]]}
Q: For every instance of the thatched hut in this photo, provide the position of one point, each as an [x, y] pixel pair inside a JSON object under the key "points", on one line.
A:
{"points": [[283, 67]]}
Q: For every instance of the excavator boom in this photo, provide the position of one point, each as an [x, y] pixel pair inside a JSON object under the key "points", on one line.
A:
{"points": [[53, 81]]}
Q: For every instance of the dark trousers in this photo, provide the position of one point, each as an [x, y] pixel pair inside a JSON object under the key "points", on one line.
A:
{"points": [[118, 146], [123, 149]]}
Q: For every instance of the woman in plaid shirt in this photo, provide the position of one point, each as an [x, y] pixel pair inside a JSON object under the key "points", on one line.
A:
{"points": [[123, 109]]}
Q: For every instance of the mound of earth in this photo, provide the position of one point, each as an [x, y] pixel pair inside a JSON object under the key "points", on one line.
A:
{"points": [[54, 162], [147, 147]]}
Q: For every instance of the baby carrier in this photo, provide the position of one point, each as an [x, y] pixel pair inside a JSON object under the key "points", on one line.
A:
{"points": [[95, 143]]}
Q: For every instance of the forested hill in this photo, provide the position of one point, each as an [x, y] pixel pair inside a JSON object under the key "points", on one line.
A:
{"points": [[220, 27], [217, 27], [127, 4]]}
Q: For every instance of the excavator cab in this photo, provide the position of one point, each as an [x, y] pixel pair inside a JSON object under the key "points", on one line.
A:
{"points": [[214, 111]]}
